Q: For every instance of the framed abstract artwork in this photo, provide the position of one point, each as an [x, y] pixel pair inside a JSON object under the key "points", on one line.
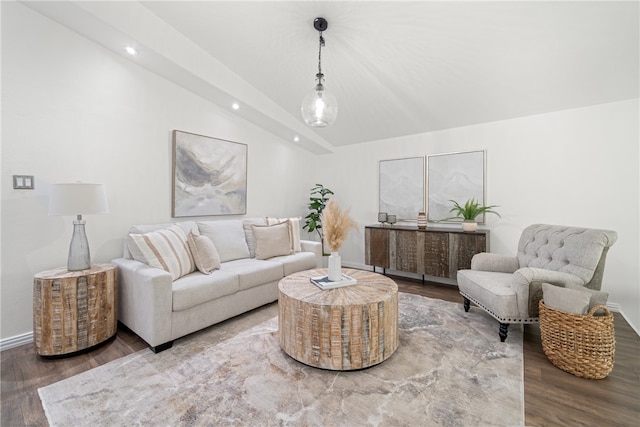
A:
{"points": [[454, 176], [209, 176], [401, 187]]}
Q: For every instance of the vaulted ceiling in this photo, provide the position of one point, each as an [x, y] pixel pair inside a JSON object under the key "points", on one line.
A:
{"points": [[397, 67]]}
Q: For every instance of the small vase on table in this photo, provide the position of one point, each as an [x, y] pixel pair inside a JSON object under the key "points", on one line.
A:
{"points": [[335, 267]]}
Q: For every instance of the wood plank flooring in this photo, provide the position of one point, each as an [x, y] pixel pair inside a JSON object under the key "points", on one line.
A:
{"points": [[552, 397]]}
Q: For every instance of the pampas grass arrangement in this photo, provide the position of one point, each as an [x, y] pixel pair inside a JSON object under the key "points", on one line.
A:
{"points": [[336, 225]]}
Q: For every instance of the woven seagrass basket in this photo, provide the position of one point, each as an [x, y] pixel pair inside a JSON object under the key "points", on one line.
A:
{"points": [[583, 345]]}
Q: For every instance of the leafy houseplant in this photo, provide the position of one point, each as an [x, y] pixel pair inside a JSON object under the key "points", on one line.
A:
{"points": [[469, 212], [318, 201]]}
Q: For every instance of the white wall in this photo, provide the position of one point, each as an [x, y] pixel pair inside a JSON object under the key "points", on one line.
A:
{"points": [[73, 111], [576, 167]]}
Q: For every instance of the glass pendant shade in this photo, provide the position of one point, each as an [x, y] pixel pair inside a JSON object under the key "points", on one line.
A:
{"points": [[319, 107]]}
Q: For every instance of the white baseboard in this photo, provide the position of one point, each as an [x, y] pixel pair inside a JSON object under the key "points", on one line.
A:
{"points": [[17, 341]]}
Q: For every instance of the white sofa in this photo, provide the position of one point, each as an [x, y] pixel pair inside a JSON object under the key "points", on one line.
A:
{"points": [[161, 308]]}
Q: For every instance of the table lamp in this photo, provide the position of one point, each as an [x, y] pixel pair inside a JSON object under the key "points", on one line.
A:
{"points": [[78, 199]]}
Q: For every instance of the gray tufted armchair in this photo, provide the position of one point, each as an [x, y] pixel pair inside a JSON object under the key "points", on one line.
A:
{"points": [[509, 288]]}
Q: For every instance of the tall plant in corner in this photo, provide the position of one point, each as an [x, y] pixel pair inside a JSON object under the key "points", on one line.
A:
{"points": [[317, 203]]}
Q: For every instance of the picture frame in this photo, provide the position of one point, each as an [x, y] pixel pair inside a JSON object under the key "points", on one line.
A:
{"points": [[458, 176], [401, 187], [209, 176]]}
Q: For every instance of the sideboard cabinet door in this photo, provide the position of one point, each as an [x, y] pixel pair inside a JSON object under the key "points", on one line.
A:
{"points": [[376, 247]]}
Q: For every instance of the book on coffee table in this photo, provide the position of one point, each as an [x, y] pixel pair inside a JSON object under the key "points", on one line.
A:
{"points": [[323, 282]]}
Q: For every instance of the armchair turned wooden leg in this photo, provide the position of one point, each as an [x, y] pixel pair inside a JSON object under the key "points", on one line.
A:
{"points": [[466, 304], [503, 331]]}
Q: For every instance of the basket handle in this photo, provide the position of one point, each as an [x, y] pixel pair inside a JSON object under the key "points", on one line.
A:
{"points": [[599, 307]]}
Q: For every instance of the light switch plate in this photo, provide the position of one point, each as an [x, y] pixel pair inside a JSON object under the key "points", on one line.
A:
{"points": [[23, 182]]}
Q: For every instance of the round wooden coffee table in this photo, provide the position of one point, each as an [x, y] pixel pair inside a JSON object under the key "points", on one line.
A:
{"points": [[346, 328]]}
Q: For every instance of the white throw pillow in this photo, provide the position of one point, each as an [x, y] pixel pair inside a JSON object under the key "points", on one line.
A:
{"points": [[294, 230], [165, 249], [204, 253], [272, 240], [569, 300], [248, 233], [228, 238]]}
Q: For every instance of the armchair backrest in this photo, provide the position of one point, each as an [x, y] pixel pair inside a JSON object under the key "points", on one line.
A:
{"points": [[579, 251]]}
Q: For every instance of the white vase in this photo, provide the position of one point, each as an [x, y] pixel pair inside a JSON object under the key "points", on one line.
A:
{"points": [[469, 225], [335, 267]]}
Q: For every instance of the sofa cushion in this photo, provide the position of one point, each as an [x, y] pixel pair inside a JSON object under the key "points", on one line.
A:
{"points": [[228, 238], [294, 230], [134, 253], [197, 288], [272, 240], [298, 261], [205, 254], [252, 272], [165, 249], [574, 301], [248, 233]]}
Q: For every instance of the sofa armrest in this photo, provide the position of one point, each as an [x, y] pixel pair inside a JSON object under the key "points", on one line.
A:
{"points": [[315, 247], [494, 262], [145, 300], [527, 284]]}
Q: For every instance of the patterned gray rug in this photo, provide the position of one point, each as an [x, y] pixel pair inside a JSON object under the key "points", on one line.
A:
{"points": [[450, 369]]}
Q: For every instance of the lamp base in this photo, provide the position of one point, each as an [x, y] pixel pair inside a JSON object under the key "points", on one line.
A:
{"points": [[79, 257]]}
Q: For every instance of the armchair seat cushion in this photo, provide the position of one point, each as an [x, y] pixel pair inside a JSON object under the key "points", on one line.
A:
{"points": [[491, 290]]}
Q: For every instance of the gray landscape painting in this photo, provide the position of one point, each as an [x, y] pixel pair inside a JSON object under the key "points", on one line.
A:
{"points": [[454, 176], [402, 187], [210, 176]]}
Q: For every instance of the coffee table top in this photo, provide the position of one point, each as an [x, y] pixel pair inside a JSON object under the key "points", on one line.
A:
{"points": [[371, 287]]}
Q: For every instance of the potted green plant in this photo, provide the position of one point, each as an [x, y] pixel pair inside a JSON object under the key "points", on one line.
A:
{"points": [[317, 203], [469, 212]]}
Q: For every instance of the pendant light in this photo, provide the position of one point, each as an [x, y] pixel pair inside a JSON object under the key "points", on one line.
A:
{"points": [[319, 107]]}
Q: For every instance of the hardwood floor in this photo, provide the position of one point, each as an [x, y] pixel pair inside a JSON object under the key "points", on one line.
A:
{"points": [[552, 397]]}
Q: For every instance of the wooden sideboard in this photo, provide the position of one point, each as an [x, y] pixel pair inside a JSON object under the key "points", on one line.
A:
{"points": [[438, 252]]}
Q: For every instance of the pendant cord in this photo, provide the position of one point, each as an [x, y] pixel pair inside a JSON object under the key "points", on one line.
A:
{"points": [[320, 76]]}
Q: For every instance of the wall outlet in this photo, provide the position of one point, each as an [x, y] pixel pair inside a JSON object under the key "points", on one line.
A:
{"points": [[23, 182]]}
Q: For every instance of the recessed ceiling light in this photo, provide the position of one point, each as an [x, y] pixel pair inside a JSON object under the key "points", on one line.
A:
{"points": [[235, 106], [296, 138], [131, 50]]}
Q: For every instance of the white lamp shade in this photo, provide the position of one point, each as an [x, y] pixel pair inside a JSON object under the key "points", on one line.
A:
{"points": [[77, 199]]}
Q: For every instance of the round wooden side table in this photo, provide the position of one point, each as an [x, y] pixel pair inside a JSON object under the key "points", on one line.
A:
{"points": [[346, 328], [74, 310]]}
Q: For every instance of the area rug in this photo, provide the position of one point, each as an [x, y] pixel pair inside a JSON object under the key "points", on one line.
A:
{"points": [[450, 369]]}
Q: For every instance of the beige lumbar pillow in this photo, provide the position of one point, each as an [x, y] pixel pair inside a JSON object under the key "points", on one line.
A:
{"points": [[294, 230], [596, 297], [204, 253], [569, 300], [272, 240], [165, 249]]}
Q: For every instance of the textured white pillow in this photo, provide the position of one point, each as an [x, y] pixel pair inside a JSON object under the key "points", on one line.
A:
{"points": [[165, 249], [248, 233], [204, 253], [569, 300], [228, 238], [272, 240], [294, 230]]}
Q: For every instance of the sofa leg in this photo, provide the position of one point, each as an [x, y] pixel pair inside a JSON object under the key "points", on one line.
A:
{"points": [[503, 331], [162, 347], [466, 304]]}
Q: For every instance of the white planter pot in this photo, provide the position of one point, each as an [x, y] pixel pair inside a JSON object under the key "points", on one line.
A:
{"points": [[469, 226], [335, 267]]}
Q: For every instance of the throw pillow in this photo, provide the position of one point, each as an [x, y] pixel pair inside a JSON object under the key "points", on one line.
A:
{"points": [[204, 253], [569, 300], [272, 240], [597, 297], [165, 249], [228, 238], [294, 230], [248, 233]]}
